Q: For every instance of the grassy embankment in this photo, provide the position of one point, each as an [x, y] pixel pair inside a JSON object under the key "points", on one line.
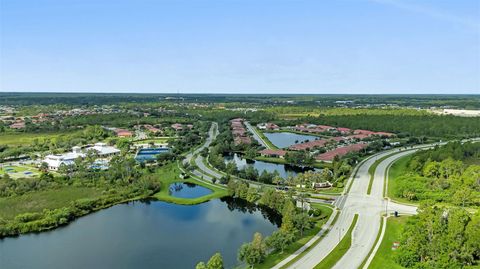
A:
{"points": [[397, 170], [65, 197], [337, 253], [269, 143], [34, 202], [171, 176], [276, 257], [384, 258]]}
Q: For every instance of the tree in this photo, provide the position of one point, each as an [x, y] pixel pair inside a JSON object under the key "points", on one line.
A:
{"points": [[215, 262], [201, 265], [288, 214], [279, 240], [302, 222], [463, 196], [254, 252]]}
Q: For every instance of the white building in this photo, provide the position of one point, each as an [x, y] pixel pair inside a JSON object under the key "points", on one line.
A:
{"points": [[54, 161], [103, 150]]}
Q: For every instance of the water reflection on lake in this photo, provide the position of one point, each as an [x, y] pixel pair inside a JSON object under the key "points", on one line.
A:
{"points": [[187, 190], [284, 170], [149, 234], [286, 139]]}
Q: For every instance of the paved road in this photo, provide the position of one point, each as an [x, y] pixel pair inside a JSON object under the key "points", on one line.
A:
{"points": [[256, 135], [212, 134], [368, 207]]}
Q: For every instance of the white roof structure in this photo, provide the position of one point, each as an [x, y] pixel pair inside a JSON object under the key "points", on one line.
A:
{"points": [[54, 161], [102, 149]]}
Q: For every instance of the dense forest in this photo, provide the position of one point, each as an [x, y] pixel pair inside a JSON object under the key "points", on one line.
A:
{"points": [[313, 100], [405, 125]]}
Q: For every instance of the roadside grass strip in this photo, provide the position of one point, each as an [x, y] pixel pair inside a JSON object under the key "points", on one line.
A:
{"points": [[337, 253], [269, 143], [385, 254]]}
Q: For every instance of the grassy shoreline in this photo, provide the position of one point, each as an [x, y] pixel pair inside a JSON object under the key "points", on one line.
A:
{"points": [[68, 203]]}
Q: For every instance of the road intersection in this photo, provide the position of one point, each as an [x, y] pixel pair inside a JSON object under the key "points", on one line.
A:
{"points": [[369, 207]]}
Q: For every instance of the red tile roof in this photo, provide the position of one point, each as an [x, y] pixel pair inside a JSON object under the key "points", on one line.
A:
{"points": [[273, 152], [309, 145], [330, 155]]}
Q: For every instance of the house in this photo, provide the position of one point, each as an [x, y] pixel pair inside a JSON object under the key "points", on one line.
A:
{"points": [[177, 127], [309, 145], [321, 185], [103, 151], [18, 125], [123, 133], [274, 153], [344, 130], [268, 126], [330, 155]]}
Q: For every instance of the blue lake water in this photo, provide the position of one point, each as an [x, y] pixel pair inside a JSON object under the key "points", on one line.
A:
{"points": [[149, 234], [286, 139], [188, 190], [284, 170], [150, 154]]}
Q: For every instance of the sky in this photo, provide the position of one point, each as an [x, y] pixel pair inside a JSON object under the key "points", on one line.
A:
{"points": [[241, 46]]}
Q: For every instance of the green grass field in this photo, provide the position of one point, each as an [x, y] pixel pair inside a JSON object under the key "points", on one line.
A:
{"points": [[19, 139], [384, 258], [397, 169], [277, 257], [337, 253], [170, 174], [47, 199], [18, 171]]}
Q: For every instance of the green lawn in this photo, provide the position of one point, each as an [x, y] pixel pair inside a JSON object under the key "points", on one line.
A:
{"points": [[277, 257], [267, 141], [384, 258], [397, 169], [337, 253], [159, 140], [21, 139], [170, 174], [18, 171], [47, 199]]}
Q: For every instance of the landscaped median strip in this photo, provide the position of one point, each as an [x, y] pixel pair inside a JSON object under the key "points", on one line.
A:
{"points": [[373, 168], [337, 253]]}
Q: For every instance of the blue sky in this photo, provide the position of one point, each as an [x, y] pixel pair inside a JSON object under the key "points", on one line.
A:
{"points": [[240, 46]]}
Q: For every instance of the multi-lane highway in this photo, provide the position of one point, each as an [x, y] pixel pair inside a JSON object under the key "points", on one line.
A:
{"points": [[369, 208]]}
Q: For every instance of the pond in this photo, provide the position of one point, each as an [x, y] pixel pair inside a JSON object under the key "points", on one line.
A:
{"points": [[286, 139], [188, 190], [284, 170], [149, 154], [148, 234]]}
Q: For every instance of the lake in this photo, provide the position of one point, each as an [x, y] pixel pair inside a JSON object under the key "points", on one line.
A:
{"points": [[284, 170], [286, 139], [187, 190], [147, 234]]}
